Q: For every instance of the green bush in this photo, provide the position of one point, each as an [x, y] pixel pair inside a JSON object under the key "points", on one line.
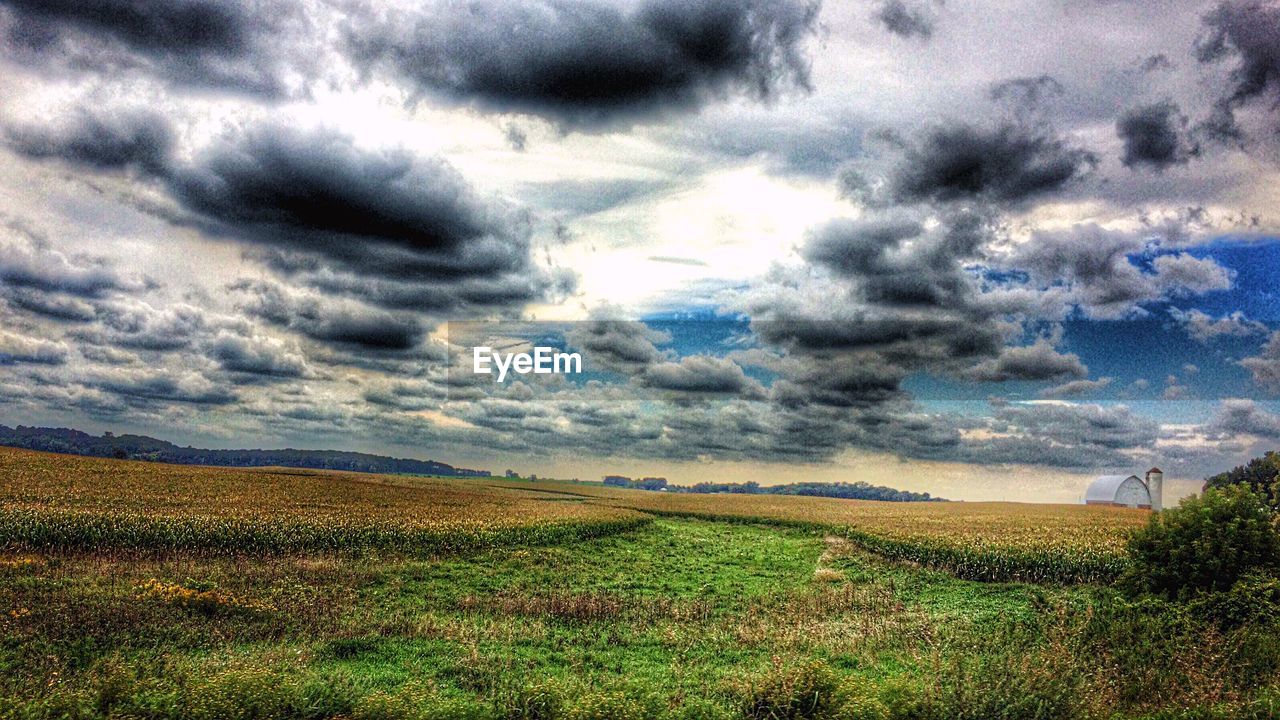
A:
{"points": [[1262, 475], [1207, 543], [1253, 600]]}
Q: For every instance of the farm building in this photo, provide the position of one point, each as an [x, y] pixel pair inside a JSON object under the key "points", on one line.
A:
{"points": [[1128, 490]]}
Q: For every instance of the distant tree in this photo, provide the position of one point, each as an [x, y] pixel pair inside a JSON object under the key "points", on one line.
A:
{"points": [[652, 483], [1262, 475], [1206, 543]]}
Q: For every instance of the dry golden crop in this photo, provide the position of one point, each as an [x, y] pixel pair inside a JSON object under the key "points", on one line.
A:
{"points": [[63, 501]]}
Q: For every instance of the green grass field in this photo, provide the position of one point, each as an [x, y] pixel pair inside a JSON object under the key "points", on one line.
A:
{"points": [[657, 617]]}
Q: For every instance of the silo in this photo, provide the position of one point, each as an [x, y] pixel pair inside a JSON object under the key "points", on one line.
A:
{"points": [[1155, 486]]}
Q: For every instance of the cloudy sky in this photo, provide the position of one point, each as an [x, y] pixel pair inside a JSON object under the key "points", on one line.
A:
{"points": [[981, 249]]}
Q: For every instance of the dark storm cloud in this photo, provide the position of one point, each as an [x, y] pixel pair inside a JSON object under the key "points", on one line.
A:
{"points": [[382, 225], [389, 212], [1007, 163], [231, 44], [458, 297], [129, 138], [344, 323], [905, 338], [1038, 361], [906, 19], [1249, 33], [586, 63], [1155, 136], [840, 381], [894, 263], [859, 246], [386, 227]]}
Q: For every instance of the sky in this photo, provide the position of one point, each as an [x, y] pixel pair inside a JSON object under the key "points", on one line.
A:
{"points": [[980, 249]]}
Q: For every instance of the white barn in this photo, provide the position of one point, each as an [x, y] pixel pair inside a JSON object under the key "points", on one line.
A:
{"points": [[1128, 490]]}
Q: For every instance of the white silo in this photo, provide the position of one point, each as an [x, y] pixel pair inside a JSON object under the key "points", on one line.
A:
{"points": [[1155, 487]]}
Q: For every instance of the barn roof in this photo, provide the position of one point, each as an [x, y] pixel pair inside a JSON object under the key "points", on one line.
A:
{"points": [[1104, 487]]}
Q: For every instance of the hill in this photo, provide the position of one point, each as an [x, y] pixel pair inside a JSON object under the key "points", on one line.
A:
{"points": [[141, 447]]}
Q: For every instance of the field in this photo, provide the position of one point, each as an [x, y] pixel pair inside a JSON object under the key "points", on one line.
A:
{"points": [[133, 590], [978, 541]]}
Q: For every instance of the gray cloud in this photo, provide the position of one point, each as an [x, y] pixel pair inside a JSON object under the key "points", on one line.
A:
{"points": [[15, 348], [128, 138], [1072, 388], [1006, 163], [385, 226], [319, 318], [1038, 361], [1247, 31], [1203, 327], [229, 44], [915, 19], [33, 271], [257, 355], [149, 386], [1155, 136], [618, 345], [1265, 366], [1240, 416], [139, 325], [387, 212], [894, 263], [1027, 92], [1095, 264], [1080, 425], [702, 374], [588, 63]]}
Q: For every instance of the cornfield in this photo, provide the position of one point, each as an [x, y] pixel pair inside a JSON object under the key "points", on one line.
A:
{"points": [[74, 503]]}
